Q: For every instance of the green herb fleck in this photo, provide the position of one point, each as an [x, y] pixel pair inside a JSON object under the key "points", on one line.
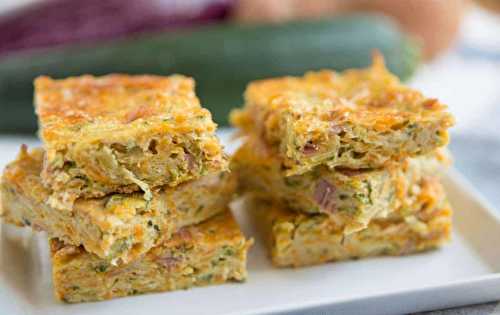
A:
{"points": [[114, 199], [68, 165], [292, 182], [227, 251], [361, 198], [101, 268], [208, 277], [200, 208], [121, 245], [357, 155]]}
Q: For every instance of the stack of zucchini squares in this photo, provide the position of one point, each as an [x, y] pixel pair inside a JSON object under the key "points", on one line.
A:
{"points": [[132, 187], [343, 165]]}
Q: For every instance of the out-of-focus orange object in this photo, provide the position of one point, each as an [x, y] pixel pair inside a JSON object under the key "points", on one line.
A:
{"points": [[492, 5], [434, 22]]}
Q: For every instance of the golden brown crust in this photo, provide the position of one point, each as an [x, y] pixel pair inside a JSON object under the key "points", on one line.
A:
{"points": [[208, 253], [62, 105], [118, 227], [351, 198], [357, 119], [370, 97], [123, 133], [296, 239]]}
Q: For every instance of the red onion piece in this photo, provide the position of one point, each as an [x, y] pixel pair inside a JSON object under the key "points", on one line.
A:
{"points": [[168, 261], [309, 148], [324, 195]]}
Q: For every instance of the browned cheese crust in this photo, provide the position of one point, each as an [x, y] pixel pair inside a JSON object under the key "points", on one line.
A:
{"points": [[117, 227], [355, 119], [351, 198], [123, 133], [296, 239], [212, 252]]}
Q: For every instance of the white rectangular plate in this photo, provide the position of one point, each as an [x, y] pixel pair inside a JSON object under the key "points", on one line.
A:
{"points": [[463, 272]]}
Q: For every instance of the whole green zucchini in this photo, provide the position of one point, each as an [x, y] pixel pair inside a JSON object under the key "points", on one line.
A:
{"points": [[222, 59]]}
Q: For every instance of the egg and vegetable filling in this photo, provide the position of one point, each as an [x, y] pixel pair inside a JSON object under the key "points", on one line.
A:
{"points": [[212, 252], [356, 119], [297, 239], [118, 227], [122, 133], [351, 198]]}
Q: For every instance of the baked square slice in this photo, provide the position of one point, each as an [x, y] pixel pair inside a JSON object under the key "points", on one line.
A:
{"points": [[297, 239], [122, 133], [212, 252], [355, 119], [350, 198], [117, 227]]}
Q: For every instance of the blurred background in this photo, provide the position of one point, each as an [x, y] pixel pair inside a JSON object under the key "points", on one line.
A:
{"points": [[450, 49]]}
